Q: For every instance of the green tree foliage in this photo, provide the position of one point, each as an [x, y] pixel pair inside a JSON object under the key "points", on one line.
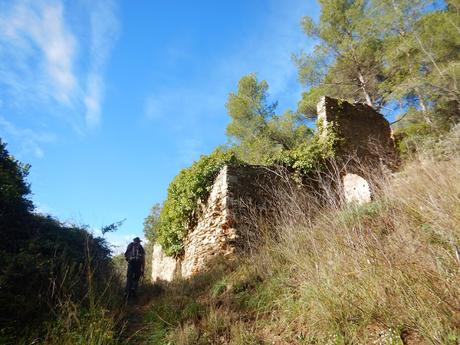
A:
{"points": [[152, 222], [14, 202], [256, 132], [191, 186], [384, 52], [43, 262], [347, 61], [421, 54]]}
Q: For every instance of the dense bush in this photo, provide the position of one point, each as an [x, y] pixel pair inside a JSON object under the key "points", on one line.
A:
{"points": [[43, 262]]}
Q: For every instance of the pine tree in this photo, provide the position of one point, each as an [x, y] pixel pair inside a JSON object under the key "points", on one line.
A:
{"points": [[255, 131], [347, 61]]}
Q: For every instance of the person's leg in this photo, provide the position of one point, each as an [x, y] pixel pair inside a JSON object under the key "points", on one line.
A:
{"points": [[135, 277], [129, 279]]}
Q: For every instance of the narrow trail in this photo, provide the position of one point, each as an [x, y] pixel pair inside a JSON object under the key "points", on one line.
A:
{"points": [[136, 331]]}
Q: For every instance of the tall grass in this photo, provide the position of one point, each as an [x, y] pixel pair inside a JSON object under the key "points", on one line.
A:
{"points": [[390, 264], [88, 305], [387, 272]]}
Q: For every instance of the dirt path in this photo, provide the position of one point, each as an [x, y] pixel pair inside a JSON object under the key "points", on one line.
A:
{"points": [[136, 330]]}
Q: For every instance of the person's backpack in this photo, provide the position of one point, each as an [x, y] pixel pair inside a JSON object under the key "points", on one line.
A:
{"points": [[136, 253]]}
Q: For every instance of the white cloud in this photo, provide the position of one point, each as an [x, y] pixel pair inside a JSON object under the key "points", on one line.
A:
{"points": [[92, 100], [104, 31], [54, 55], [58, 46], [37, 50], [31, 141]]}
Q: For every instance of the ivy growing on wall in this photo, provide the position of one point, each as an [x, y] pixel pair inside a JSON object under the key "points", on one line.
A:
{"points": [[311, 155], [186, 189]]}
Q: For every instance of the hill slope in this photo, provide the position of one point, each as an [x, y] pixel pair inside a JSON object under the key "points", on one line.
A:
{"points": [[382, 273]]}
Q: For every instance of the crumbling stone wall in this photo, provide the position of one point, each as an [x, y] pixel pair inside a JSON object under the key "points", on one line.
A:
{"points": [[356, 189], [214, 232], [164, 267], [365, 134], [223, 228], [225, 224]]}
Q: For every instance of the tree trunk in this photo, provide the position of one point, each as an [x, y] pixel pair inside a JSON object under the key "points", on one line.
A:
{"points": [[422, 104], [426, 117], [363, 87]]}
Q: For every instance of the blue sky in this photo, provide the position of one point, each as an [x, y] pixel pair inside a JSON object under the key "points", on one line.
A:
{"points": [[108, 100]]}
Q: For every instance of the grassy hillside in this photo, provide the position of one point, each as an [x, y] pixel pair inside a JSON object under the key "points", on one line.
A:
{"points": [[382, 273]]}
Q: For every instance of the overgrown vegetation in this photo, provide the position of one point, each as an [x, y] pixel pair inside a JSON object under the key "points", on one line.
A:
{"points": [[192, 186], [51, 273], [311, 155], [380, 273], [257, 136]]}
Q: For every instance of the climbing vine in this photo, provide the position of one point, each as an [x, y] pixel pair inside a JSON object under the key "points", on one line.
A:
{"points": [[311, 155], [186, 189]]}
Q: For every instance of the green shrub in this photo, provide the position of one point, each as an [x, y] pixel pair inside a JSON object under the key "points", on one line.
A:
{"points": [[43, 262]]}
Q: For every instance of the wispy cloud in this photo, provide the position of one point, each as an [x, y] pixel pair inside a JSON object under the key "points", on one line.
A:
{"points": [[55, 58], [268, 51], [104, 31], [192, 108], [31, 141], [37, 51]]}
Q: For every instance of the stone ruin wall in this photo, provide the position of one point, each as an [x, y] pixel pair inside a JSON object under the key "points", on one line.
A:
{"points": [[214, 231], [222, 227], [210, 236], [365, 133], [366, 144]]}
